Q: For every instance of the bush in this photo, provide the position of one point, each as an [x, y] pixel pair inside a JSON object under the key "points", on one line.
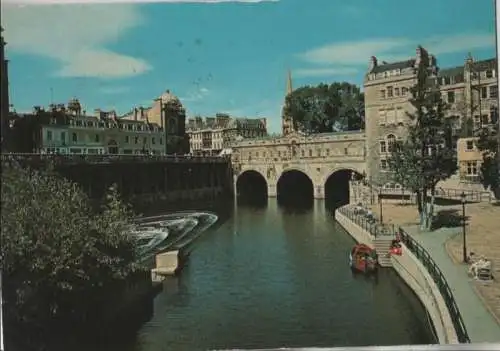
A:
{"points": [[60, 258]]}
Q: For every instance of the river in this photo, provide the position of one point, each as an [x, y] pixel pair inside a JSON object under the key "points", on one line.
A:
{"points": [[270, 276]]}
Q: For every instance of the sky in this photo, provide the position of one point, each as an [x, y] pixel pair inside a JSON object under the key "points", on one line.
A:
{"points": [[223, 56]]}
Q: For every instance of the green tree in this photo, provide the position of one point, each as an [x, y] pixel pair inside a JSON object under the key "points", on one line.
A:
{"points": [[59, 258], [488, 144], [326, 108], [425, 157]]}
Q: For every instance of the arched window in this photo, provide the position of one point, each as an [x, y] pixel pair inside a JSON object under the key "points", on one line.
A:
{"points": [[391, 143]]}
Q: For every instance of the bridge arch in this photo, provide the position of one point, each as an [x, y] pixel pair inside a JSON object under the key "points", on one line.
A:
{"points": [[337, 186], [251, 185], [294, 186]]}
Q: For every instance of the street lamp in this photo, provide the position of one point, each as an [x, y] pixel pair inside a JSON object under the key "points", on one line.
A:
{"points": [[380, 206], [464, 248]]}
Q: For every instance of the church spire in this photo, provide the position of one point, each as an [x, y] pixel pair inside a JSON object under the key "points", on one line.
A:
{"points": [[289, 87]]}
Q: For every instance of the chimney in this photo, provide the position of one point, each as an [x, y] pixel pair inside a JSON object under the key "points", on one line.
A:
{"points": [[422, 56], [141, 109], [135, 113], [373, 63]]}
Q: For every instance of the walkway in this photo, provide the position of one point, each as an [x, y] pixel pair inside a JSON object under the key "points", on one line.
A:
{"points": [[481, 325]]}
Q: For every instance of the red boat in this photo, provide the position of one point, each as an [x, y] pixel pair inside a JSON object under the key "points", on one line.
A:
{"points": [[363, 259]]}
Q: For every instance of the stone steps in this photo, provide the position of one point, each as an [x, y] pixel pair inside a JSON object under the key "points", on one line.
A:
{"points": [[383, 245]]}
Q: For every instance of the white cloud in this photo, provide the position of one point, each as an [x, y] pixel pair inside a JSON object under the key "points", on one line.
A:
{"points": [[75, 36], [349, 53], [394, 49], [320, 72]]}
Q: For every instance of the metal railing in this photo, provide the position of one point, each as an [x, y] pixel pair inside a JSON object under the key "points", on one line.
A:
{"points": [[370, 224], [437, 276], [106, 158], [443, 193]]}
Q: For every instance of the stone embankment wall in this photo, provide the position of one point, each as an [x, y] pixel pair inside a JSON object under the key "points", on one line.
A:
{"points": [[417, 278]]}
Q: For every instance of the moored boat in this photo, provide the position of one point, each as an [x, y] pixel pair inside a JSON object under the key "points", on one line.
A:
{"points": [[363, 258]]}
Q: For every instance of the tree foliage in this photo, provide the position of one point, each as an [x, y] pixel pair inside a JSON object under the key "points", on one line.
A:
{"points": [[326, 108], [426, 156], [490, 171], [60, 259]]}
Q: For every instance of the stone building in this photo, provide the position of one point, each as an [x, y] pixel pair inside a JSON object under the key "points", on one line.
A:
{"points": [[470, 90], [469, 160], [66, 129], [169, 114], [4, 98], [211, 135]]}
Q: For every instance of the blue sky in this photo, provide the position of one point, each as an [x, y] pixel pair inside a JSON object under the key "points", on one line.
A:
{"points": [[224, 56]]}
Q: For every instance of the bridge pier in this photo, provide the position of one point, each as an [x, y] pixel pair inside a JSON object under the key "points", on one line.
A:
{"points": [[271, 190], [319, 192]]}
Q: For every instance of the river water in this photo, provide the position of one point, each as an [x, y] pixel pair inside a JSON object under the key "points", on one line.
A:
{"points": [[269, 276]]}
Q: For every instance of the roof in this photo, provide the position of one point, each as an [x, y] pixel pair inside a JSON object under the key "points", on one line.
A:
{"points": [[394, 65]]}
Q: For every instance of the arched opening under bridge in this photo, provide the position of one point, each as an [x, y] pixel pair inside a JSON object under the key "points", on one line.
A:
{"points": [[251, 187], [295, 188], [337, 187]]}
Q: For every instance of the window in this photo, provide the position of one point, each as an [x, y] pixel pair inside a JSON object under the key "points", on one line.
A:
{"points": [[493, 91], [310, 153], [451, 97], [382, 94], [383, 164], [79, 123], [383, 147], [49, 135], [346, 151], [144, 140], [404, 91], [471, 168], [136, 141], [389, 92], [153, 140], [96, 138], [470, 145], [447, 80], [484, 119], [129, 126], [489, 73], [74, 137], [484, 92], [327, 152], [391, 143], [127, 139], [396, 91], [63, 136]]}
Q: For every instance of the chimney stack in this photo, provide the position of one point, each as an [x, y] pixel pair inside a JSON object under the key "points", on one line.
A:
{"points": [[373, 63]]}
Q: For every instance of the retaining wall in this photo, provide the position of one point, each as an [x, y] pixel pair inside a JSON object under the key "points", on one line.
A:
{"points": [[417, 278]]}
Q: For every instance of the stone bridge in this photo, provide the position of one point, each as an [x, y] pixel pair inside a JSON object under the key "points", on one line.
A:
{"points": [[326, 161]]}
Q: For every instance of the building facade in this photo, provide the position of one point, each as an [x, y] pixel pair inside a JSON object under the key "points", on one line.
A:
{"points": [[469, 160], [470, 90], [66, 130], [211, 135], [168, 113]]}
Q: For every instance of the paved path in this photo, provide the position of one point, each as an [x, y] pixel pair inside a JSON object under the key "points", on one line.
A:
{"points": [[480, 324]]}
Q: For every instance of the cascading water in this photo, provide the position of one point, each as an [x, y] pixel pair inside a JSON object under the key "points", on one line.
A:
{"points": [[170, 231]]}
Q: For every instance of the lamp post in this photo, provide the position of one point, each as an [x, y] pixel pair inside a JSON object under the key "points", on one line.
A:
{"points": [[380, 206], [464, 247]]}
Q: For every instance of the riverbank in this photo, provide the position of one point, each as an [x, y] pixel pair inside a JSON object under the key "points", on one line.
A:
{"points": [[478, 301], [409, 268], [482, 234]]}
